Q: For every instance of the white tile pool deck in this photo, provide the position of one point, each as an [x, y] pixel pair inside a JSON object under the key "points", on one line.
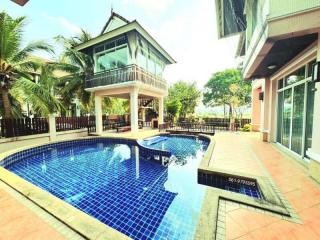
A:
{"points": [[235, 152]]}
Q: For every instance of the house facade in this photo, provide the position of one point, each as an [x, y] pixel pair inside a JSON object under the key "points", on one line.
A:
{"points": [[279, 45], [129, 64]]}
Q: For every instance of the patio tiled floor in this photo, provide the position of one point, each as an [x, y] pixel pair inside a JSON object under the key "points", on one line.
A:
{"points": [[18, 222], [291, 178]]}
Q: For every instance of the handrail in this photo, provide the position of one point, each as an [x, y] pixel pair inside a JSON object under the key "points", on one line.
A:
{"points": [[128, 73]]}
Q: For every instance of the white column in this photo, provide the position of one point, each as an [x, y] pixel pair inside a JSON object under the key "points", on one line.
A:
{"points": [[161, 109], [314, 151], [134, 109], [98, 113], [52, 127]]}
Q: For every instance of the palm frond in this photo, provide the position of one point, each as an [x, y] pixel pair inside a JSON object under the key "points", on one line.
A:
{"points": [[41, 98], [30, 48]]}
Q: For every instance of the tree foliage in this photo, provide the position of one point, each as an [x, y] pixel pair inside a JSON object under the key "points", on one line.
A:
{"points": [[227, 88], [15, 61], [182, 99], [40, 94], [78, 66]]}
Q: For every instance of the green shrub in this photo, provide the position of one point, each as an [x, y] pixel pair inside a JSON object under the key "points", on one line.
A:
{"points": [[246, 128]]}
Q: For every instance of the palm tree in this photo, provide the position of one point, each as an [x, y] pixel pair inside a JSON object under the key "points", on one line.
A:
{"points": [[79, 66], [41, 94], [15, 62]]}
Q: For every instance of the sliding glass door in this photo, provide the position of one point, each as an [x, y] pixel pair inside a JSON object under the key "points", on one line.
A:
{"points": [[295, 110], [297, 118], [286, 118]]}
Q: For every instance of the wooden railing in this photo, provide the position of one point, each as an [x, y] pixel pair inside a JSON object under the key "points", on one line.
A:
{"points": [[23, 126], [71, 123], [129, 73], [188, 128]]}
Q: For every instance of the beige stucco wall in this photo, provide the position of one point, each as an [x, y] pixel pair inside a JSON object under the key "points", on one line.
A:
{"points": [[8, 144], [256, 109]]}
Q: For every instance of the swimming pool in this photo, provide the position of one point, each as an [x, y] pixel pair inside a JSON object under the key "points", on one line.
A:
{"points": [[112, 180]]}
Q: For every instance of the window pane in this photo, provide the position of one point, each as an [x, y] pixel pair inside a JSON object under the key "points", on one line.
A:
{"points": [[286, 117], [279, 116], [296, 76], [121, 57], [101, 62], [280, 84], [142, 60], [151, 66], [310, 67], [309, 116], [110, 45], [121, 41], [159, 69], [99, 49], [297, 118], [111, 60]]}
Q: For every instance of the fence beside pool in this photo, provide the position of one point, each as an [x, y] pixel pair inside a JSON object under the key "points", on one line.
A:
{"points": [[10, 128]]}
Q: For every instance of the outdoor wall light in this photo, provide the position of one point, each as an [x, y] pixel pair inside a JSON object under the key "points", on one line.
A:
{"points": [[261, 96], [316, 72], [272, 66]]}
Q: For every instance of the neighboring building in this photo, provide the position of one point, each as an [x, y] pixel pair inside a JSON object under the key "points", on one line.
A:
{"points": [[279, 44], [128, 64]]}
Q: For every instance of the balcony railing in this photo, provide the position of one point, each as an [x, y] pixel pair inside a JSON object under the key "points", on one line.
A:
{"points": [[130, 73]]}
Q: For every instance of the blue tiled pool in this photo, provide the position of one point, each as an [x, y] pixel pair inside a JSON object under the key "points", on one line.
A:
{"points": [[111, 181]]}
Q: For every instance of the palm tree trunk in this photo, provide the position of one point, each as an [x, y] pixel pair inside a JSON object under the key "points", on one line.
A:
{"points": [[6, 103]]}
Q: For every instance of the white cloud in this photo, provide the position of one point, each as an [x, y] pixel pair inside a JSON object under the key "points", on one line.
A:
{"points": [[191, 38], [64, 22]]}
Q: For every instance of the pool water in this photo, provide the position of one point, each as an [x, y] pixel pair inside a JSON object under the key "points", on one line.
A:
{"points": [[110, 181]]}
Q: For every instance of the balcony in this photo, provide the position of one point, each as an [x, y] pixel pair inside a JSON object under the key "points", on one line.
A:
{"points": [[131, 73]]}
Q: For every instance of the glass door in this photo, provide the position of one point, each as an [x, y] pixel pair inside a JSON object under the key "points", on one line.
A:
{"points": [[286, 117], [309, 115], [297, 118]]}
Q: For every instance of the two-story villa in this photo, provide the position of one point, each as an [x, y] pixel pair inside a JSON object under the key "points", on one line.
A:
{"points": [[280, 46], [129, 64]]}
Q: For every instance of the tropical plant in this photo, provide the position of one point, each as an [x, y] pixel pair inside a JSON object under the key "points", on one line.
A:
{"points": [[78, 66], [15, 62], [40, 93], [173, 107], [227, 88]]}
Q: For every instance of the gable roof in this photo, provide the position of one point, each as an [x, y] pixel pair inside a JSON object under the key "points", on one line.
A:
{"points": [[114, 16], [131, 26]]}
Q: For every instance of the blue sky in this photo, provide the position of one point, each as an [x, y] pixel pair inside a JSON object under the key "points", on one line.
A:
{"points": [[185, 28]]}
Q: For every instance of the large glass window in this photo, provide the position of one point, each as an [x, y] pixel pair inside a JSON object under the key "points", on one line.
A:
{"points": [[113, 54], [295, 93], [149, 60]]}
